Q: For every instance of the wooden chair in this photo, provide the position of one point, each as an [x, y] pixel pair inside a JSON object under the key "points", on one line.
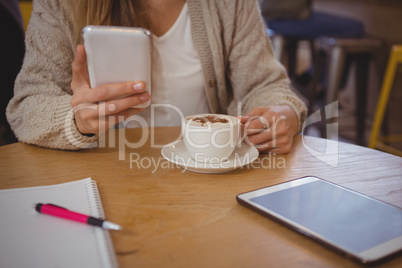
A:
{"points": [[360, 51]]}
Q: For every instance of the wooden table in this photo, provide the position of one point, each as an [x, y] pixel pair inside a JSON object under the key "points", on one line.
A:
{"points": [[174, 218]]}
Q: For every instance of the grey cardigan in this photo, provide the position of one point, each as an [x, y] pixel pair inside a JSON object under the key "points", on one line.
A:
{"points": [[236, 56]]}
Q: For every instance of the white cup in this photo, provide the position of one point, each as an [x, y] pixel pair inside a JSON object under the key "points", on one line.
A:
{"points": [[211, 142]]}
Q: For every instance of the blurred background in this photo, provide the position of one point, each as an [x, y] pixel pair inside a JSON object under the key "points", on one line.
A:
{"points": [[382, 19], [360, 76], [349, 68]]}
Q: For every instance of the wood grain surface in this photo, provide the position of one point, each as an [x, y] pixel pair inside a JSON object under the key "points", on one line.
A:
{"points": [[178, 218]]}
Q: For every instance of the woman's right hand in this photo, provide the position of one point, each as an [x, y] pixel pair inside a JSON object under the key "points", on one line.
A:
{"points": [[94, 107]]}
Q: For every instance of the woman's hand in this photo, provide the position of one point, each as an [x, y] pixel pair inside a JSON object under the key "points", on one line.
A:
{"points": [[95, 107], [271, 129]]}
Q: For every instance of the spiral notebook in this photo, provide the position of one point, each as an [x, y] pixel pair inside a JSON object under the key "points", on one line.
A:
{"points": [[31, 239]]}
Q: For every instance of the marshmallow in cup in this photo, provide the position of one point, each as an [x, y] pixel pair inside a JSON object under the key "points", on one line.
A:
{"points": [[211, 138]]}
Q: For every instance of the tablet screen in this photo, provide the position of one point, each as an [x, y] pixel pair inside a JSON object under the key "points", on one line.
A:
{"points": [[353, 221]]}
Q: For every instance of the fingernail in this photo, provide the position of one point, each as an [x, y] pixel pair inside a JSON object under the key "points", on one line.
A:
{"points": [[144, 96], [138, 86]]}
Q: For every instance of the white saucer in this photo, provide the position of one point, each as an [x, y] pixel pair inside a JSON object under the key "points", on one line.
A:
{"points": [[176, 153]]}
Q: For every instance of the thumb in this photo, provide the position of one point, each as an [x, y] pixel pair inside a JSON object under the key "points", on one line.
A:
{"points": [[256, 112], [243, 118]]}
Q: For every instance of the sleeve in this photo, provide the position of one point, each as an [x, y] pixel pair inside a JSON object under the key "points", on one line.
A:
{"points": [[256, 77], [40, 112]]}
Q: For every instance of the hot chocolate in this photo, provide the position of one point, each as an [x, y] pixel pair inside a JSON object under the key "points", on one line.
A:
{"points": [[209, 119]]}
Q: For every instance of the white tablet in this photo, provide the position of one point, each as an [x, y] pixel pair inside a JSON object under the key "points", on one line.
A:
{"points": [[354, 224]]}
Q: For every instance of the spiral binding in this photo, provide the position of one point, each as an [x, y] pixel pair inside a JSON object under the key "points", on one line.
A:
{"points": [[97, 209]]}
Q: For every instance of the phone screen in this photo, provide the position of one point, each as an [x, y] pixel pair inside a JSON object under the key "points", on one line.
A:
{"points": [[345, 218]]}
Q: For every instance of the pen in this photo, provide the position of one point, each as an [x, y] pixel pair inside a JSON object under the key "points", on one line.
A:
{"points": [[61, 212]]}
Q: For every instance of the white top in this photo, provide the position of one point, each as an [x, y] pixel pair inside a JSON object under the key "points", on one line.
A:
{"points": [[177, 78]]}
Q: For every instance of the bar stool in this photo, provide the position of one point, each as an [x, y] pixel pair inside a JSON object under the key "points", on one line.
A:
{"points": [[337, 50], [285, 48], [375, 140]]}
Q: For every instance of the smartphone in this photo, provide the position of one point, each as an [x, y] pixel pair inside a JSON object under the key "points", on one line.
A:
{"points": [[118, 54], [358, 226]]}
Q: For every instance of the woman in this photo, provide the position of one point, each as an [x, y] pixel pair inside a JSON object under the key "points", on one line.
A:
{"points": [[226, 47]]}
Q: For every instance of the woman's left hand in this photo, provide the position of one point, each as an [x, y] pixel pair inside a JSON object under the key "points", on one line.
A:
{"points": [[271, 129]]}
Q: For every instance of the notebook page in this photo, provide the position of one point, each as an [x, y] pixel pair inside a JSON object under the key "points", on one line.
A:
{"points": [[32, 239]]}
